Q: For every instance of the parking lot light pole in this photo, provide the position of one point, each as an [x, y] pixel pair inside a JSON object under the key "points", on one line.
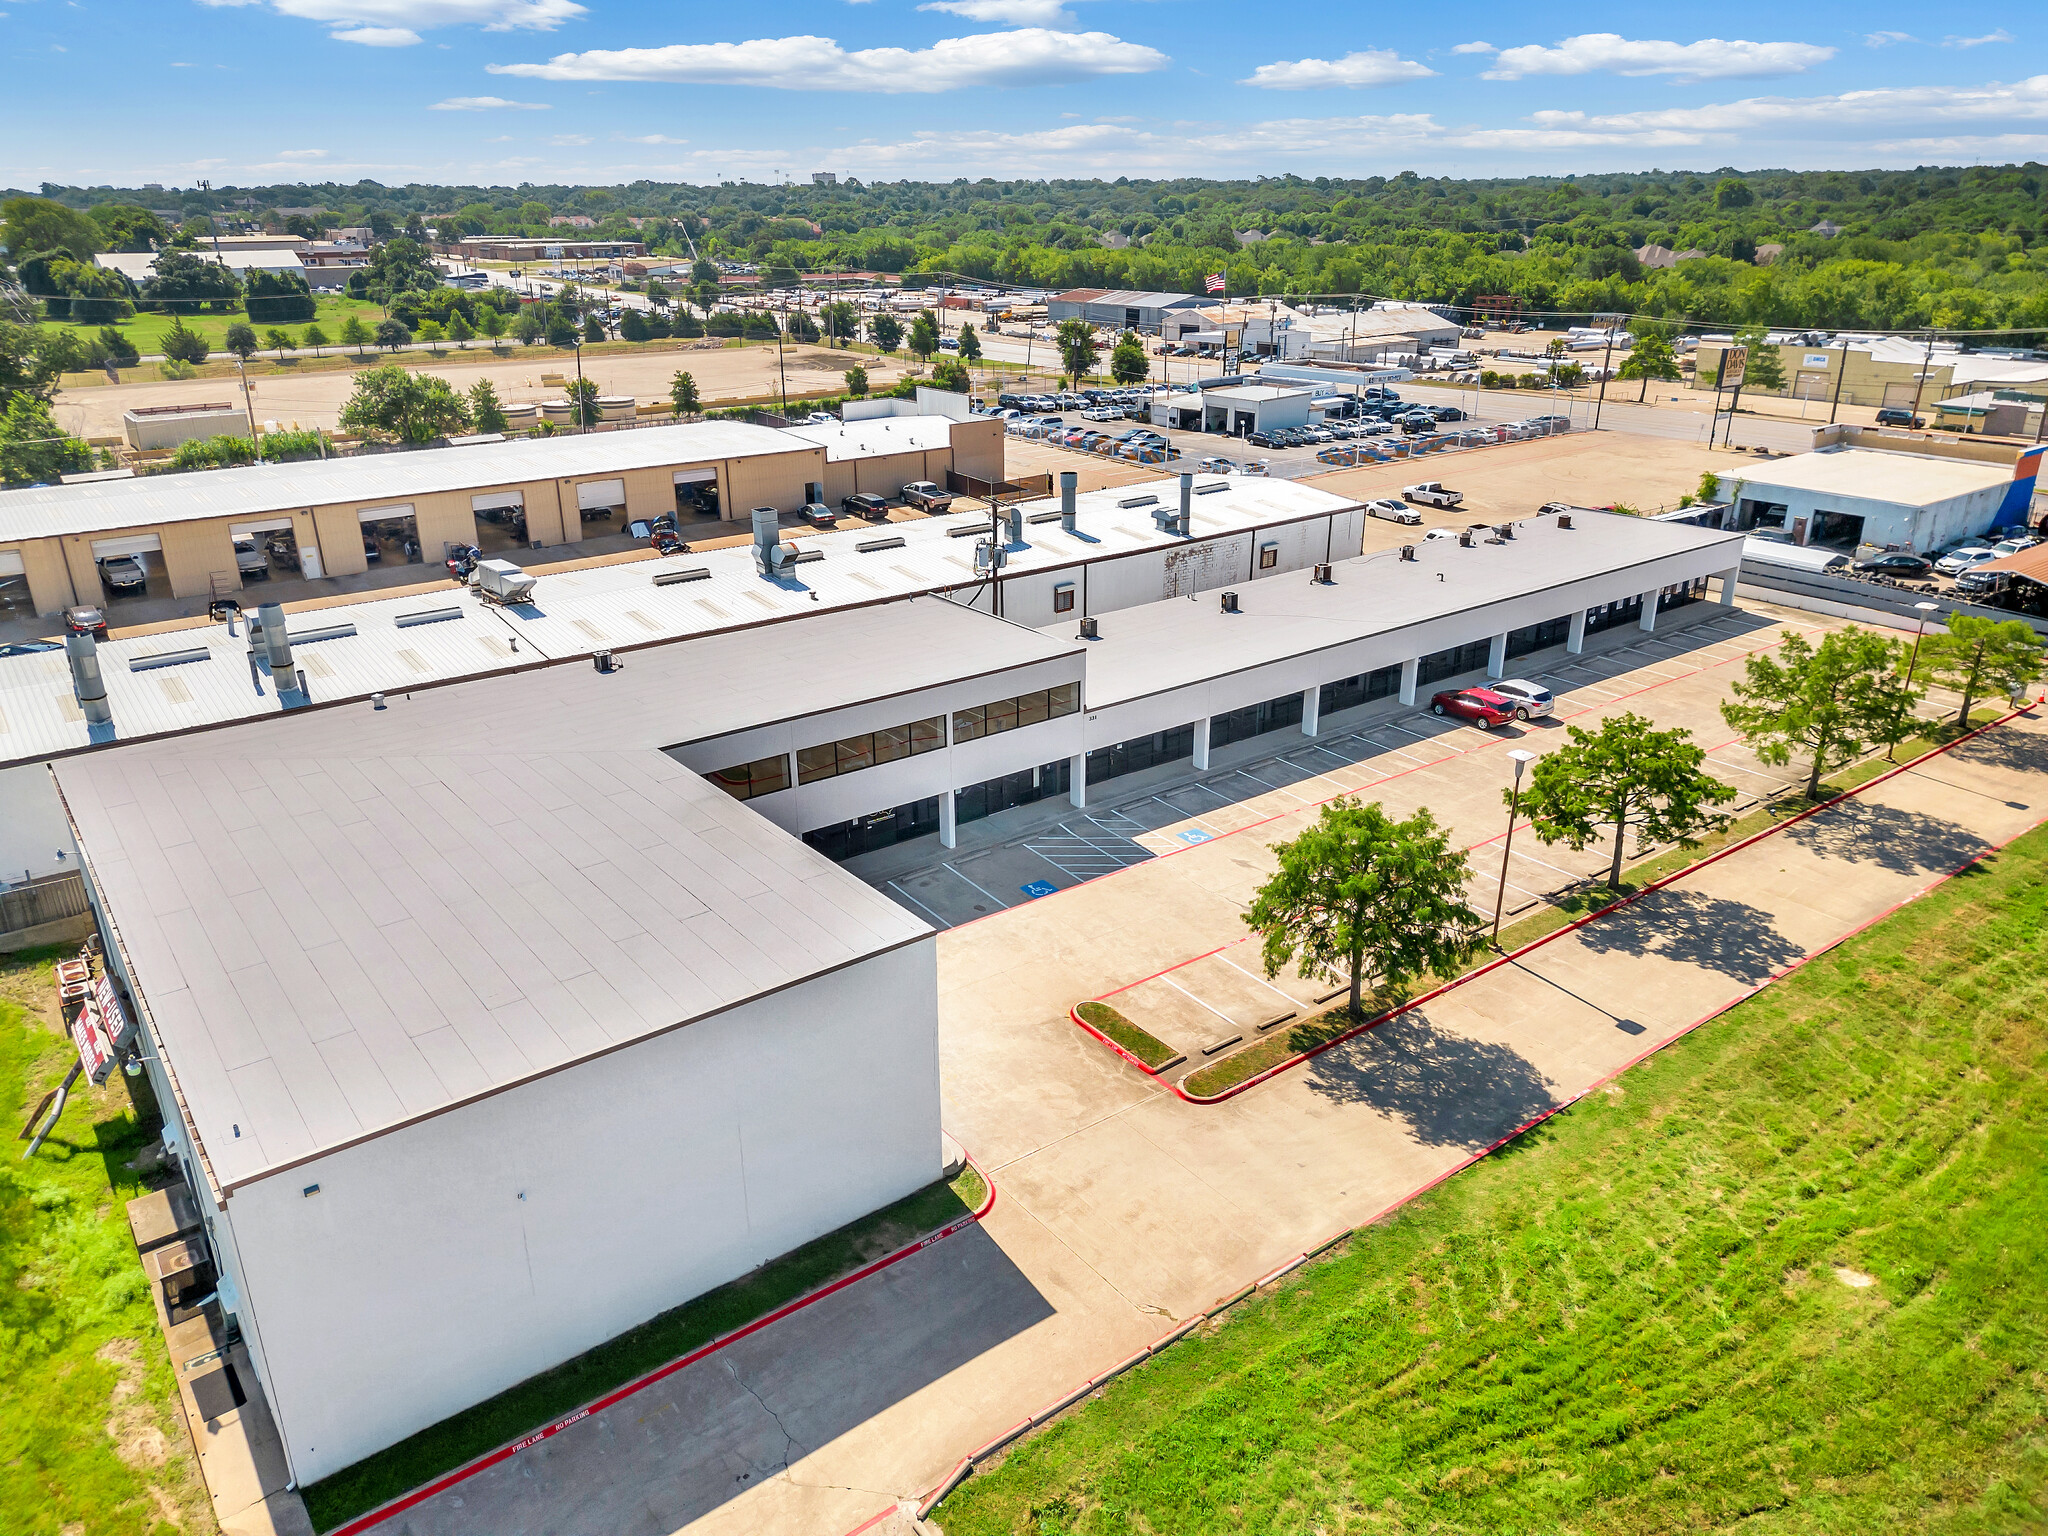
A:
{"points": [[1521, 760], [1912, 661]]}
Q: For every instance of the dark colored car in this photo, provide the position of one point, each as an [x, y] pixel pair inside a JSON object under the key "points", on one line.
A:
{"points": [[1446, 412], [1482, 706], [861, 504], [1898, 416], [86, 620], [817, 514], [1900, 564]]}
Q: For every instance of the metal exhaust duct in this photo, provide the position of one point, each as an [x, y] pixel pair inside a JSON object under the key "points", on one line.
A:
{"points": [[1069, 480], [83, 654], [277, 643], [767, 539], [1186, 525], [1016, 523]]}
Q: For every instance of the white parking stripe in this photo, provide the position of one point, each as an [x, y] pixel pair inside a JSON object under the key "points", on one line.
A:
{"points": [[918, 904], [1184, 992], [991, 895], [1259, 979]]}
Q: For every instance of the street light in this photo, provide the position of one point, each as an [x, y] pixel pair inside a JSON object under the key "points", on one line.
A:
{"points": [[1521, 760], [1923, 609]]}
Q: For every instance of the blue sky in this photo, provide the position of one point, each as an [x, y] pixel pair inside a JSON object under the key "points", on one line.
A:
{"points": [[505, 91]]}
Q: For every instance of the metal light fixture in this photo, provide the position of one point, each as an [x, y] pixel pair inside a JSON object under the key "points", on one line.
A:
{"points": [[1521, 759], [1923, 609]]}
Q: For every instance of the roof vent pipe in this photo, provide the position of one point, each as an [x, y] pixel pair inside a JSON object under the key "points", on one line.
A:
{"points": [[1564, 519], [1230, 602], [1091, 629], [1068, 481], [83, 653], [769, 556], [1186, 526], [1407, 551], [1321, 577], [277, 643], [1016, 523]]}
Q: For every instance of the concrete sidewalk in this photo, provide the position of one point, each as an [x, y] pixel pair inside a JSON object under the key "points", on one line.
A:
{"points": [[1122, 1209]]}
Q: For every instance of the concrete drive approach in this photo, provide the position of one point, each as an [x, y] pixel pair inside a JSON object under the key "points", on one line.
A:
{"points": [[1122, 1209]]}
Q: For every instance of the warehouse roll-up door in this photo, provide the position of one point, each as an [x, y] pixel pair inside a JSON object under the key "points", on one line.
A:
{"points": [[383, 514], [10, 564], [140, 544], [498, 501], [696, 477], [268, 525], [595, 494]]}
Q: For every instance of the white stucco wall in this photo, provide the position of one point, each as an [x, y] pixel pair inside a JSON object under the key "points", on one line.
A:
{"points": [[441, 1263]]}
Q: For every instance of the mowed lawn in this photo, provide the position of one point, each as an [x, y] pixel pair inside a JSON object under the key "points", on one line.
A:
{"points": [[146, 330], [90, 1439], [1790, 1274]]}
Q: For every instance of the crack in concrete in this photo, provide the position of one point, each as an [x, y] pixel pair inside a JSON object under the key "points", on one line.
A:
{"points": [[789, 1441]]}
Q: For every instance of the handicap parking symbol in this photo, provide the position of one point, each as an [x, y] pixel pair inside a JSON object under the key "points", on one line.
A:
{"points": [[1193, 835], [1038, 888]]}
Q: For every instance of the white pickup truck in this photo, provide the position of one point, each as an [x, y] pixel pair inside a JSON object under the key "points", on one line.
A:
{"points": [[1432, 493]]}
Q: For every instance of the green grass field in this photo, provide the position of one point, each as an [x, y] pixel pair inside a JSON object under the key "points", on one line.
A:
{"points": [[90, 1438], [146, 331], [1789, 1275]]}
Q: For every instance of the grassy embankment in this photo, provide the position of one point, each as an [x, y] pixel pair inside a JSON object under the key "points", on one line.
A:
{"points": [[1790, 1274], [90, 1436]]}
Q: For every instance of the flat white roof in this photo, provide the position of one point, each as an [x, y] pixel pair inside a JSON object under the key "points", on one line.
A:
{"points": [[1874, 475], [1253, 393], [576, 612], [260, 490], [878, 436], [1181, 641], [343, 922]]}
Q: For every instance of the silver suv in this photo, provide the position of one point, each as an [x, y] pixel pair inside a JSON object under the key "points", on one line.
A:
{"points": [[1532, 701]]}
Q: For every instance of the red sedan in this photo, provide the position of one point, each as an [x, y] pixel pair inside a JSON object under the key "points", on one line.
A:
{"points": [[1482, 706]]}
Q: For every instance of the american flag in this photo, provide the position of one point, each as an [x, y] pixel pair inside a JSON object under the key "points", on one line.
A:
{"points": [[1215, 282]]}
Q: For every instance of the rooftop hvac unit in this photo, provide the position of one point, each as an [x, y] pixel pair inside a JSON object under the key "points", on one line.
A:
{"points": [[500, 581], [602, 660], [1091, 630], [1564, 519], [1505, 531], [1322, 577], [1230, 602], [1407, 551], [1465, 538]]}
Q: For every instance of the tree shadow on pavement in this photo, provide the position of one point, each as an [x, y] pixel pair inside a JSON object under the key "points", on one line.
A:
{"points": [[1448, 1090], [1861, 831], [1730, 938], [2008, 747]]}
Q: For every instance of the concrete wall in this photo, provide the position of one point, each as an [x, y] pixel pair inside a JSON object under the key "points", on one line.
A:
{"points": [[445, 1261], [827, 801], [977, 449]]}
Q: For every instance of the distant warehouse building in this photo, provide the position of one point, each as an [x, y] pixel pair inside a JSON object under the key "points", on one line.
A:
{"points": [[1846, 498], [1128, 309]]}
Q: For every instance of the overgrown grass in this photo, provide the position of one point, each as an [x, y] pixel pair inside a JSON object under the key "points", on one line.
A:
{"points": [[1789, 1274], [444, 1446], [90, 1437], [1148, 1048]]}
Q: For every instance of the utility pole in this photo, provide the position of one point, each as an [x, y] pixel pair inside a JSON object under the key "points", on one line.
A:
{"points": [[1919, 384], [1606, 359], [1841, 373]]}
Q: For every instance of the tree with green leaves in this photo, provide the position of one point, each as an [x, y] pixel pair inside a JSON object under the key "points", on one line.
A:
{"points": [[886, 332], [583, 409], [1627, 776], [119, 349], [1979, 654], [184, 345], [1360, 894], [1834, 701], [593, 329], [491, 320], [411, 407], [970, 345], [279, 340], [633, 326], [33, 449], [1128, 363], [801, 327], [40, 224], [433, 333], [951, 373], [528, 327], [1766, 369], [1077, 346], [856, 381], [923, 340], [562, 330], [393, 334], [460, 331], [1650, 358], [486, 410], [354, 333], [841, 320], [682, 394]]}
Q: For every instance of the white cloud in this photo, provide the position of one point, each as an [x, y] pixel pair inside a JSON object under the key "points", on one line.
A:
{"points": [[1030, 56], [1475, 48], [1016, 13], [1987, 146], [569, 140], [1373, 66], [302, 154], [398, 23], [1711, 58], [487, 104], [2026, 99], [376, 37], [649, 138], [1886, 39], [1999, 36]]}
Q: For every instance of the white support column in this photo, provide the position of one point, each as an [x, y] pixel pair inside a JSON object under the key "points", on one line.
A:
{"points": [[1497, 656], [948, 828], [1202, 743], [1311, 709], [1409, 668], [1728, 580], [1648, 621], [1576, 641], [1077, 780]]}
